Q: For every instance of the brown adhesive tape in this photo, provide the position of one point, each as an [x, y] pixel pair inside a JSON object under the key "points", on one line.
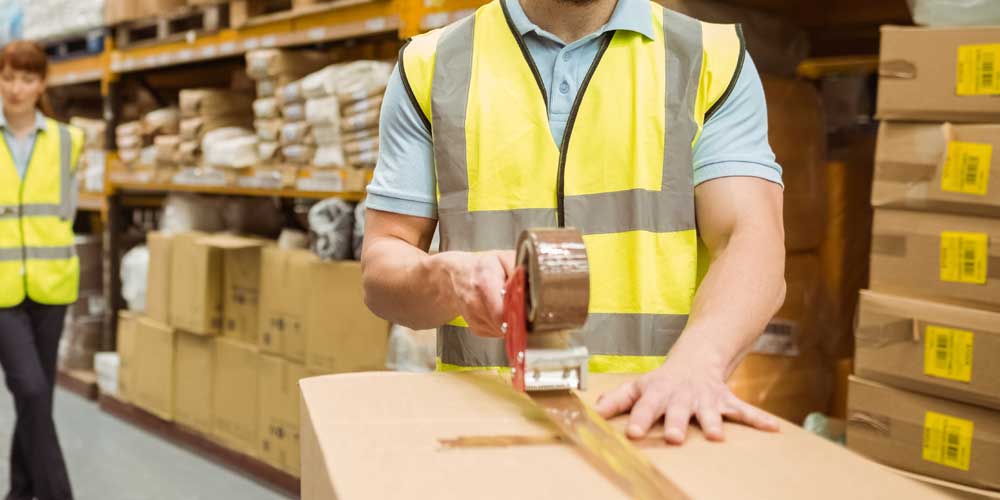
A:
{"points": [[558, 278]]}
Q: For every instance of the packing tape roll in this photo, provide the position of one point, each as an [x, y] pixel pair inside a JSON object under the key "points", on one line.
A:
{"points": [[558, 278]]}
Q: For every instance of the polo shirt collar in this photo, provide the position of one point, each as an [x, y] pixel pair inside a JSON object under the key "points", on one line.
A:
{"points": [[40, 122], [629, 15]]}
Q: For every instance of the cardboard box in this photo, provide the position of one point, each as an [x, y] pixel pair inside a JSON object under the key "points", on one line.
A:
{"points": [[241, 286], [938, 349], [117, 11], [195, 285], [127, 326], [938, 167], [937, 256], [342, 334], [360, 426], [790, 387], [939, 74], [285, 283], [234, 396], [158, 277], [278, 409], [797, 134], [154, 368], [935, 437], [194, 363], [955, 490]]}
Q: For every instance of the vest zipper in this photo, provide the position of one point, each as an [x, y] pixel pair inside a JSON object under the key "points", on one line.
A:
{"points": [[564, 147]]}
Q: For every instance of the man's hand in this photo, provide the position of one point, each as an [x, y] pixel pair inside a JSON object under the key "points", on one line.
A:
{"points": [[476, 282], [683, 387]]}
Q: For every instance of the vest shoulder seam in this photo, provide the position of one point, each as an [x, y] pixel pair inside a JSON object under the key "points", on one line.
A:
{"points": [[409, 89], [736, 74]]}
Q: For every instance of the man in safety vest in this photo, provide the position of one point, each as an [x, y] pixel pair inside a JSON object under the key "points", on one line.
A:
{"points": [[641, 127]]}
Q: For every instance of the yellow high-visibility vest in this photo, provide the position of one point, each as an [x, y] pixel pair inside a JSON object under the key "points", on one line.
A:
{"points": [[37, 256], [623, 175]]}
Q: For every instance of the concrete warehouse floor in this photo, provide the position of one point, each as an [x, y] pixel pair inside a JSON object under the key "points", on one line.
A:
{"points": [[109, 459]]}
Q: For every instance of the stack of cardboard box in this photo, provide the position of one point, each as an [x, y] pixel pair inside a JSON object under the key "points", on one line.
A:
{"points": [[231, 326], [928, 397]]}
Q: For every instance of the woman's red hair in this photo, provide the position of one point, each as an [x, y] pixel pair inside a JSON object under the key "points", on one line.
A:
{"points": [[25, 55]]}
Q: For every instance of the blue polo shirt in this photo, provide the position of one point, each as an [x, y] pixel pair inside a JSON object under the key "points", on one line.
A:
{"points": [[733, 141]]}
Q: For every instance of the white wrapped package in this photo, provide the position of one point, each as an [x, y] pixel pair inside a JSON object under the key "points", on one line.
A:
{"points": [[161, 121], [362, 106], [147, 156], [129, 128], [134, 268], [359, 135], [290, 93], [955, 12], [364, 159], [129, 156], [321, 83], [190, 129], [106, 365], [294, 112], [323, 111], [359, 122], [362, 79], [298, 153], [266, 108], [266, 87], [93, 130], [230, 147], [268, 151], [55, 18], [328, 156], [268, 130], [326, 135], [129, 141], [294, 133]]}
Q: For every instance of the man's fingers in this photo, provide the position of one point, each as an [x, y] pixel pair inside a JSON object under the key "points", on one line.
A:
{"points": [[489, 287], [711, 422], [647, 410], [619, 400], [740, 411], [678, 417], [506, 258]]}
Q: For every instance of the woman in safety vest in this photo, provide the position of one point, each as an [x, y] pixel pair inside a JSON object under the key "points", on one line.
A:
{"points": [[39, 270]]}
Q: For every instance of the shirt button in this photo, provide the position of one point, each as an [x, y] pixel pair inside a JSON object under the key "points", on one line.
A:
{"points": [[564, 87], [566, 56]]}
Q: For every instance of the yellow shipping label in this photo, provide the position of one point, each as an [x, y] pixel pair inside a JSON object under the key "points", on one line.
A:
{"points": [[978, 73], [967, 169], [963, 257], [947, 440], [948, 353]]}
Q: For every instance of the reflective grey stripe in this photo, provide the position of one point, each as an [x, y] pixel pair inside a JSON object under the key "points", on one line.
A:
{"points": [[480, 231], [37, 253], [65, 172], [449, 101], [682, 37], [633, 210], [14, 211], [615, 334]]}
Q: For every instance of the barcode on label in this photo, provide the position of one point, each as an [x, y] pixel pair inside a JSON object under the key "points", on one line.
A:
{"points": [[942, 351], [951, 448], [971, 167], [783, 329], [969, 263], [986, 68]]}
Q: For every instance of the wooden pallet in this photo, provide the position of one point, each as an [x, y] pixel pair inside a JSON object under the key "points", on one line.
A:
{"points": [[253, 12], [80, 382], [177, 25], [74, 46], [198, 443]]}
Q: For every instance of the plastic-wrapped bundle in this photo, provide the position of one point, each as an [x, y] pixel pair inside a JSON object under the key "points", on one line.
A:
{"points": [[167, 148], [188, 152], [266, 108], [323, 111], [161, 121], [294, 112], [360, 122], [267, 87], [134, 268], [359, 230], [359, 135], [213, 102], [190, 128], [326, 135], [268, 151], [329, 156], [93, 130], [355, 148], [298, 153], [56, 18], [362, 79], [332, 223], [362, 106], [363, 159], [290, 93], [955, 12], [321, 83], [269, 63], [230, 147], [295, 133], [268, 129]]}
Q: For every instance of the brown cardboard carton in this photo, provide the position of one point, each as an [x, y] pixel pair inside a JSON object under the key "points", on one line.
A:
{"points": [[938, 167], [790, 387], [195, 285], [158, 277], [194, 362], [154, 368], [390, 425], [342, 334], [797, 134], [938, 349], [117, 11], [937, 256], [935, 437], [284, 293], [278, 409], [955, 490], [939, 74], [234, 396], [127, 326], [241, 286]]}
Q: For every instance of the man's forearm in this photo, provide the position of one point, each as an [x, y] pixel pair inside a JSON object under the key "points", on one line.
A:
{"points": [[400, 285], [743, 289]]}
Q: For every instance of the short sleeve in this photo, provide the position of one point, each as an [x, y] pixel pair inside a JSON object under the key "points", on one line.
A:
{"points": [[404, 180], [734, 141]]}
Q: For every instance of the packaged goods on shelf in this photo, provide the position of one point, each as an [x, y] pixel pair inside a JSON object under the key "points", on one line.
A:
{"points": [[328, 155], [937, 256], [939, 74], [161, 121], [267, 87], [299, 153], [234, 396], [797, 135], [278, 410], [939, 349], [362, 121], [195, 284], [133, 128], [158, 280], [268, 129], [323, 111], [214, 102], [268, 152], [188, 152], [134, 270], [294, 112], [93, 131], [952, 13], [59, 18], [360, 80], [360, 135], [331, 221], [940, 167], [106, 366], [290, 94], [118, 11], [266, 108], [127, 326], [229, 149], [194, 366], [364, 159], [326, 135], [167, 148], [360, 147], [321, 83], [295, 133], [926, 435], [271, 63], [190, 128], [363, 106], [152, 367]]}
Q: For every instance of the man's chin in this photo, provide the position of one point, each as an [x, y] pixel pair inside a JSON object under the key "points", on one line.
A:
{"points": [[577, 2]]}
